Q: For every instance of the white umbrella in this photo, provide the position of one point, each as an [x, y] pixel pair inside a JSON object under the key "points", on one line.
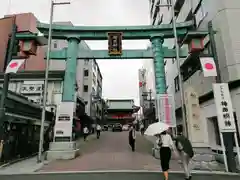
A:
{"points": [[156, 128]]}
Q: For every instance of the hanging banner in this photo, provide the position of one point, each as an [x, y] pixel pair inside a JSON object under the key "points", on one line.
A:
{"points": [[224, 107], [208, 67], [166, 109], [14, 65]]}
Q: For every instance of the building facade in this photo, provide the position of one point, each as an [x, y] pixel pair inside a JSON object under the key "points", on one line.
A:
{"points": [[146, 98], [88, 78], [222, 13]]}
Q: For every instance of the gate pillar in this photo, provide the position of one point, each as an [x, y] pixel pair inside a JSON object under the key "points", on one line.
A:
{"points": [[158, 63], [64, 145], [70, 72]]}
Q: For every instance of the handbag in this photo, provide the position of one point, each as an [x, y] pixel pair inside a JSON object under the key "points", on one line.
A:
{"points": [[159, 143]]}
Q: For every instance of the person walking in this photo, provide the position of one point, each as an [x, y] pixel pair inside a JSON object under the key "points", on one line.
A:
{"points": [[186, 152], [142, 128], [85, 133], [132, 137], [166, 144], [98, 128]]}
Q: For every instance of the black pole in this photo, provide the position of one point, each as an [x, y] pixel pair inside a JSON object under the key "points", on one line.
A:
{"points": [[150, 98], [6, 77], [227, 136]]}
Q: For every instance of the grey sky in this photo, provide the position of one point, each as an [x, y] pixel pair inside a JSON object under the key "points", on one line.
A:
{"points": [[120, 76]]}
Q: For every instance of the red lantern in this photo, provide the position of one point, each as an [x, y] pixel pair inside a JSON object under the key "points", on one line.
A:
{"points": [[196, 45], [28, 47]]}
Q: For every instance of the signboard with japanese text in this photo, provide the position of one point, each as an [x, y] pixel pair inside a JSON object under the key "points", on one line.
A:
{"points": [[64, 120], [195, 124], [166, 109], [115, 43], [224, 107]]}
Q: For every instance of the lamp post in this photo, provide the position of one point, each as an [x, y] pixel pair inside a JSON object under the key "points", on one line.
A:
{"points": [[185, 131], [46, 77]]}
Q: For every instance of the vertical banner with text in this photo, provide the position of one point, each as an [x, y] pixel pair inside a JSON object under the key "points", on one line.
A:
{"points": [[166, 109]]}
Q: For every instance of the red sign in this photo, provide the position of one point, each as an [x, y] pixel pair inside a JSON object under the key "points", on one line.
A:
{"points": [[121, 116]]}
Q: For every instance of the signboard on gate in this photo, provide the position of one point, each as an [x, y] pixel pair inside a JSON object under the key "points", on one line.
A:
{"points": [[224, 107], [166, 109]]}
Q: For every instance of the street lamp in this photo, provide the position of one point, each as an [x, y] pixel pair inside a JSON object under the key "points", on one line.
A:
{"points": [[178, 65], [46, 77]]}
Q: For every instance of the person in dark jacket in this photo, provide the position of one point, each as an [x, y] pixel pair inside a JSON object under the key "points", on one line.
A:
{"points": [[186, 152], [132, 137]]}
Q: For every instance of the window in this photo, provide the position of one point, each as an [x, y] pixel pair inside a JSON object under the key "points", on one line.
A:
{"points": [[176, 83], [85, 88], [86, 61], [86, 72], [54, 44]]}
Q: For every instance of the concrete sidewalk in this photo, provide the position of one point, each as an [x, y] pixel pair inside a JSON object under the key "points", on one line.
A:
{"points": [[26, 166], [30, 165]]}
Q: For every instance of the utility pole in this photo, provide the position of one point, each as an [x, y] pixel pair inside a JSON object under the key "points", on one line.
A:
{"points": [[227, 136], [40, 148], [181, 90], [150, 98], [8, 59], [184, 117]]}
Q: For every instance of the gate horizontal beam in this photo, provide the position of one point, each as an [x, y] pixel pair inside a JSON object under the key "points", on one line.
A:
{"points": [[100, 32], [126, 54]]}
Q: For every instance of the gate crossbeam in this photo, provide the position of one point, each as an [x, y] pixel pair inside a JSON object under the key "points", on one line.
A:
{"points": [[126, 54], [100, 32]]}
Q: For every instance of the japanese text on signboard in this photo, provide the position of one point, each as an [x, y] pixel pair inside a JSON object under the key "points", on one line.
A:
{"points": [[224, 107]]}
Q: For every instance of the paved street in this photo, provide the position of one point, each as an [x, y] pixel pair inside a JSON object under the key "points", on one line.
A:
{"points": [[110, 157], [111, 152], [115, 176]]}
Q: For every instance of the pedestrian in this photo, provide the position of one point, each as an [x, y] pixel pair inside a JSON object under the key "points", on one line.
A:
{"points": [[85, 133], [186, 152], [142, 128], [166, 144], [98, 128], [132, 137]]}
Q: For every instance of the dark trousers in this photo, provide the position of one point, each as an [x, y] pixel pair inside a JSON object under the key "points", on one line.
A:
{"points": [[85, 137], [132, 144], [98, 134]]}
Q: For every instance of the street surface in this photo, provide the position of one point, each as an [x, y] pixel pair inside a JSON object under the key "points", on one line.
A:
{"points": [[111, 152], [115, 176], [108, 158]]}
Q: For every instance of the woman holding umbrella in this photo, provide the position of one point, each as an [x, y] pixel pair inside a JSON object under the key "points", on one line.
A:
{"points": [[165, 143]]}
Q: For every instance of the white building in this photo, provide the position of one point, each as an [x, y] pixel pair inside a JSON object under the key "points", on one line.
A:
{"points": [[223, 15], [89, 78]]}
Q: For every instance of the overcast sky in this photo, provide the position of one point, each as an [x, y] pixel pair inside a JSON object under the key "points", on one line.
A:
{"points": [[120, 77]]}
